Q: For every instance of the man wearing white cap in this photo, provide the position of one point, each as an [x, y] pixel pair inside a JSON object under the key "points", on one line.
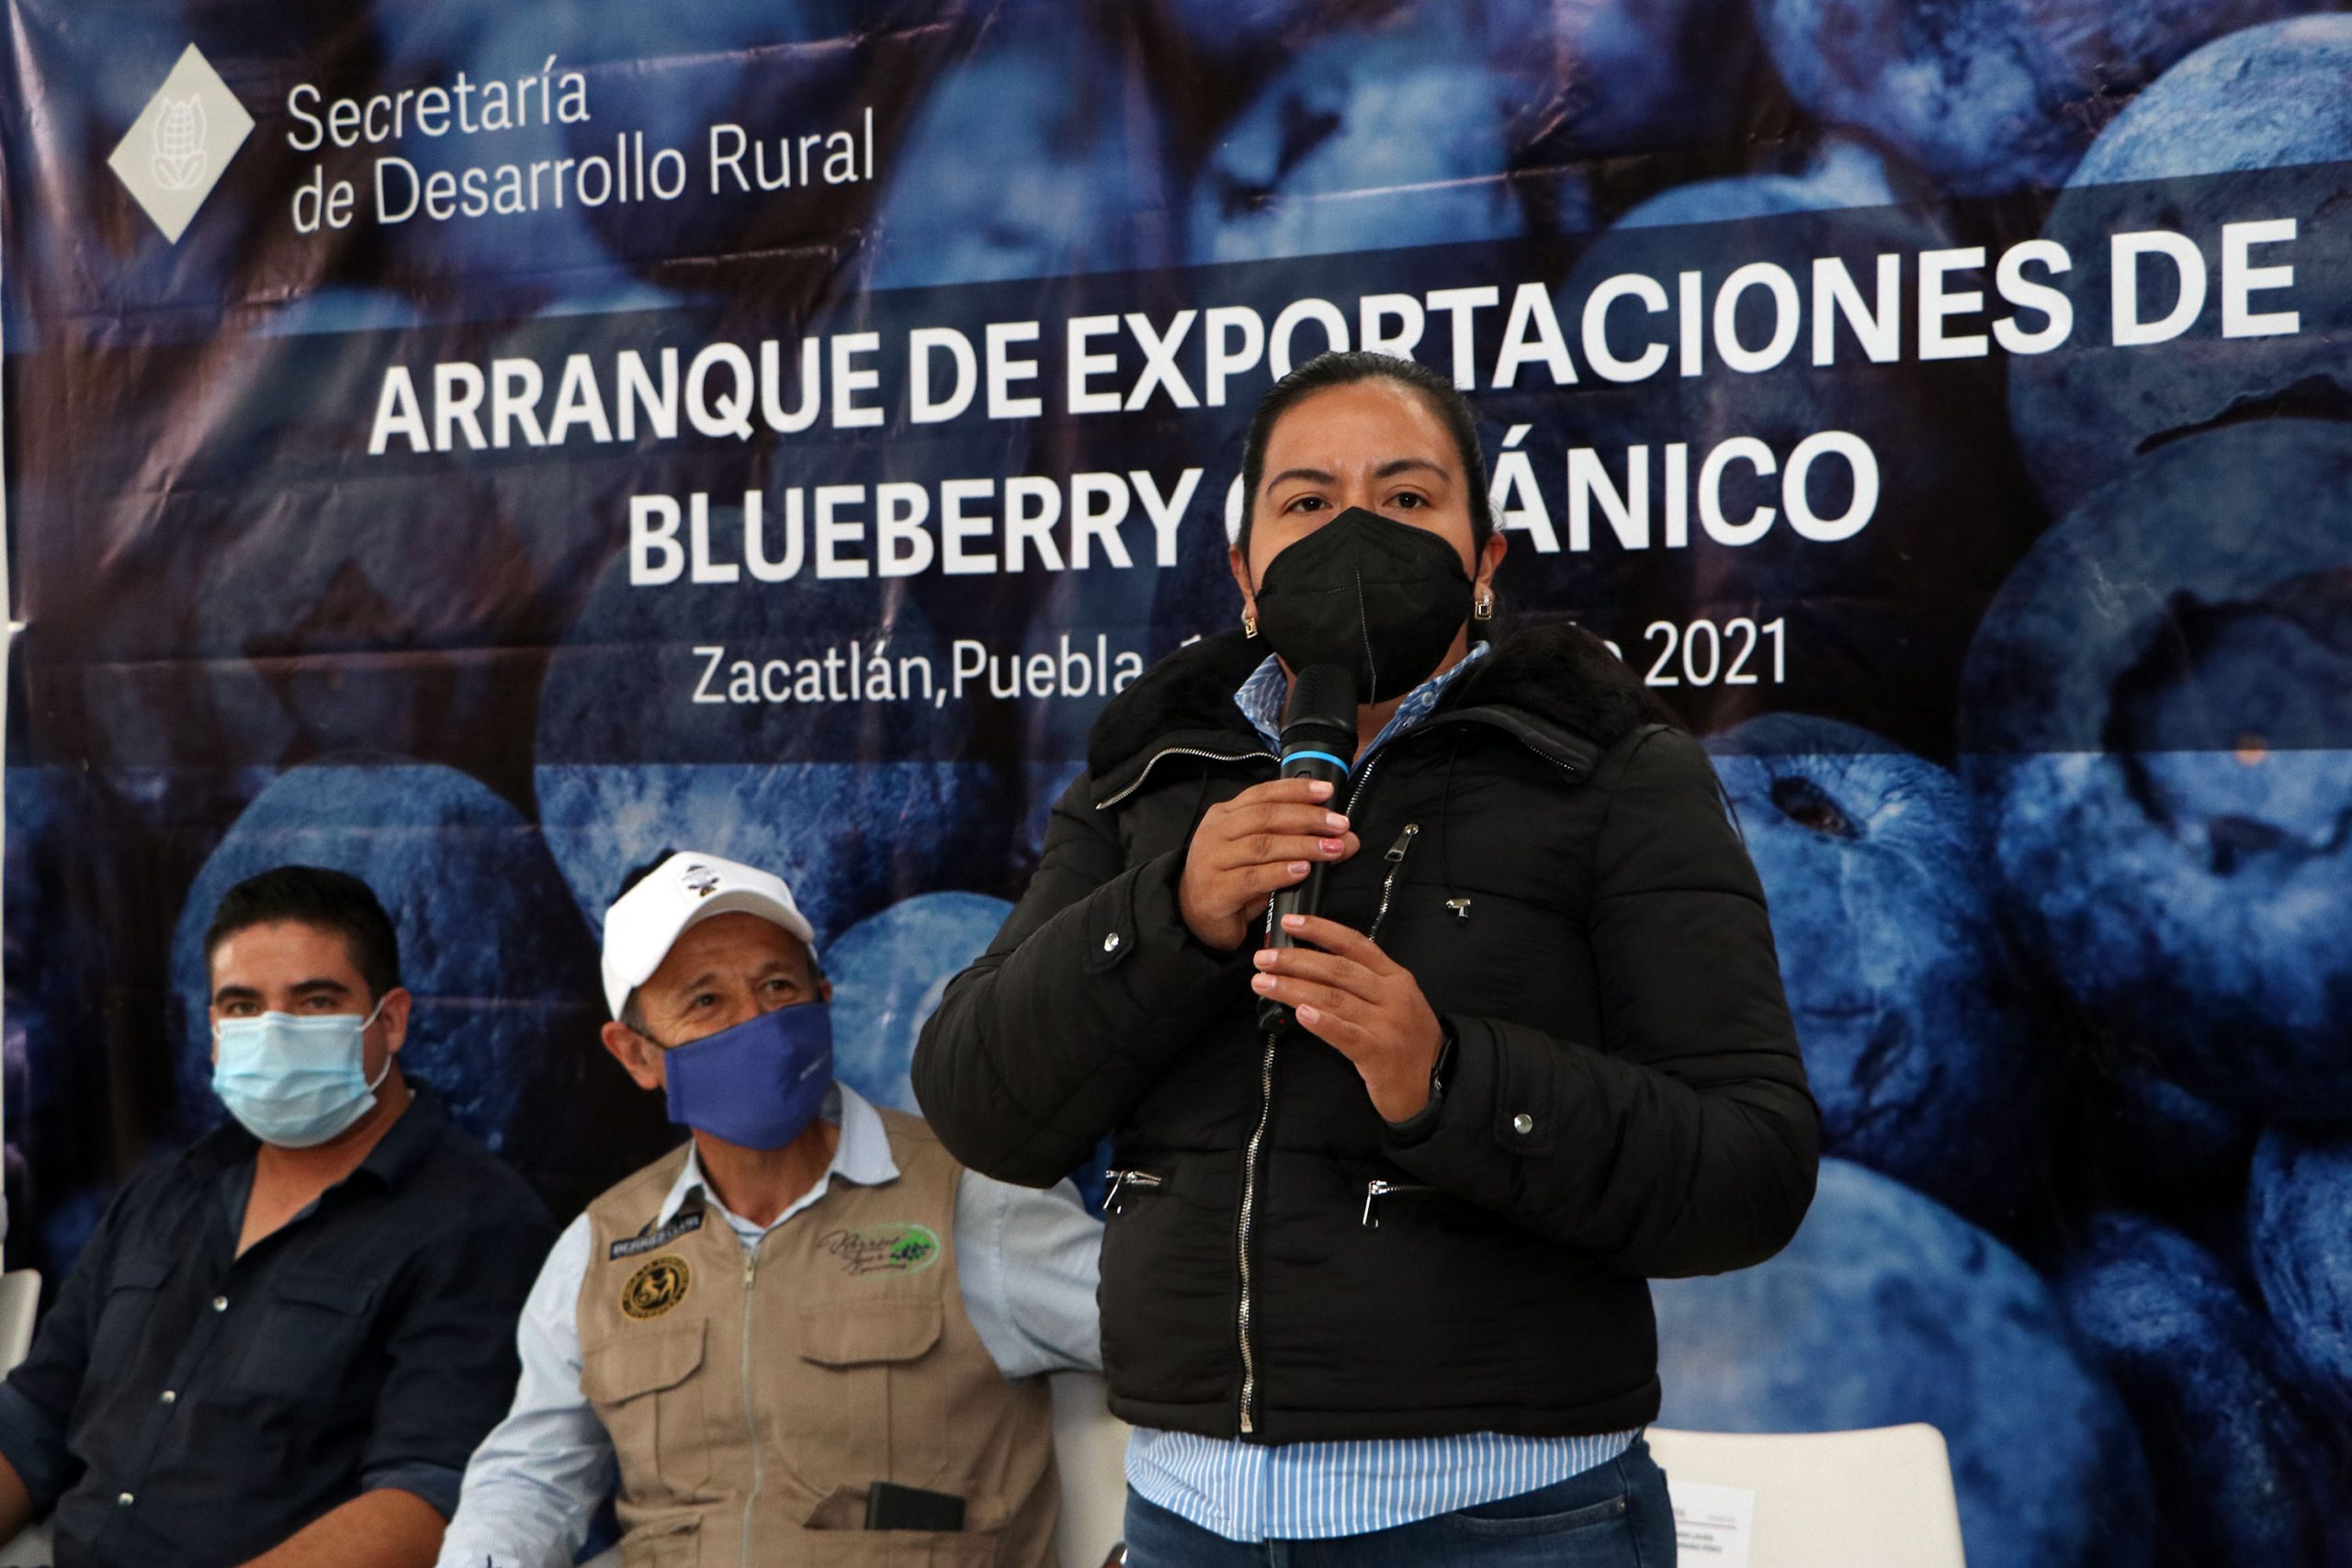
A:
{"points": [[806, 1335]]}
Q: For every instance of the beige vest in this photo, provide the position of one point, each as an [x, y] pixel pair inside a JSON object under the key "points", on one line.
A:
{"points": [[751, 1396]]}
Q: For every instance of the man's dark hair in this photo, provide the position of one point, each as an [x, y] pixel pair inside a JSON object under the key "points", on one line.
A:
{"points": [[327, 900], [1344, 369]]}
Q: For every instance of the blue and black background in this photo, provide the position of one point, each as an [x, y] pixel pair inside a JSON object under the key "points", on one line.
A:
{"points": [[2054, 804]]}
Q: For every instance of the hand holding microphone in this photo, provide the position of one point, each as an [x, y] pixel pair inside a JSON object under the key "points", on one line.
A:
{"points": [[1318, 740], [1331, 981], [1275, 839]]}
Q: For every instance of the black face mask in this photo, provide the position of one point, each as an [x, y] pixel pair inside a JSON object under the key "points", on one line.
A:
{"points": [[1379, 597]]}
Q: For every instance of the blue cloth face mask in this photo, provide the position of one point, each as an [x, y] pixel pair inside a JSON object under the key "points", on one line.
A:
{"points": [[758, 1084], [295, 1080]]}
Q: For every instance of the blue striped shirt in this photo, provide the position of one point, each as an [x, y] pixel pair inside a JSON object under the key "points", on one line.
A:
{"points": [[1314, 1490], [1262, 696]]}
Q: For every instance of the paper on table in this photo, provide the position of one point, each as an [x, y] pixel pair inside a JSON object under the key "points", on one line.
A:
{"points": [[1711, 1523]]}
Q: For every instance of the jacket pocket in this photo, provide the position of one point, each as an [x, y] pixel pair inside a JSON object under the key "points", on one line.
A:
{"points": [[875, 1410], [123, 1314], [314, 1331], [1167, 1272], [1377, 1194], [1127, 1185], [646, 1386]]}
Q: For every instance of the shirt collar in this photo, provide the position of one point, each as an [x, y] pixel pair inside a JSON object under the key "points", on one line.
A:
{"points": [[410, 1136], [402, 1148], [863, 1156], [1261, 699]]}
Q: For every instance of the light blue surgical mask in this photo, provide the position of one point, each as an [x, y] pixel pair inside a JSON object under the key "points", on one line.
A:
{"points": [[295, 1080]]}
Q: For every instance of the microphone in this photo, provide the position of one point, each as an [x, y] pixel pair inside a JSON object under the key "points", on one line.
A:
{"points": [[1318, 738]]}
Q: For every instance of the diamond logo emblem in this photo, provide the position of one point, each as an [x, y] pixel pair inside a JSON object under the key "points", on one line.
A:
{"points": [[175, 151]]}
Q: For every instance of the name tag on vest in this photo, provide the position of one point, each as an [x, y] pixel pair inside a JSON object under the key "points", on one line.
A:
{"points": [[634, 1244]]}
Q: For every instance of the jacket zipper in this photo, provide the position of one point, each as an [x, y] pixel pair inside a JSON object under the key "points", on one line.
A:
{"points": [[1375, 1190], [1396, 859], [1248, 1206], [1122, 1181], [1159, 757], [751, 1414], [1265, 1115]]}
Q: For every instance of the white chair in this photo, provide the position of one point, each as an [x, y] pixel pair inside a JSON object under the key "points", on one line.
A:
{"points": [[1090, 1450], [1880, 1498], [34, 1549], [20, 1296]]}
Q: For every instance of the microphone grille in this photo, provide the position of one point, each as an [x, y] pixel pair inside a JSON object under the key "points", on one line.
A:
{"points": [[1323, 695]]}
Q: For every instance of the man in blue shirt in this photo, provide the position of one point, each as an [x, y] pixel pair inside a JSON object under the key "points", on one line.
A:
{"points": [[281, 1345]]}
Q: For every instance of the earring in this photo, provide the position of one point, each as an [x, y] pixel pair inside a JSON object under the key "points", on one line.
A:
{"points": [[1484, 610], [1248, 624]]}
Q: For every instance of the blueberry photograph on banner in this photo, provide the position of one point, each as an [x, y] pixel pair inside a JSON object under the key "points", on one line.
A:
{"points": [[484, 447]]}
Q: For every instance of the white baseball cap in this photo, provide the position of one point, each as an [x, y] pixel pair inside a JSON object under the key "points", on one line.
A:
{"points": [[646, 922]]}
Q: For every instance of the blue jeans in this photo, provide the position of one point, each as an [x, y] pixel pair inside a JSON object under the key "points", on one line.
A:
{"points": [[1613, 1515]]}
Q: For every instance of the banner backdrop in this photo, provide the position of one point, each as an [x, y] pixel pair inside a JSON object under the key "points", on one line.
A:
{"points": [[482, 446]]}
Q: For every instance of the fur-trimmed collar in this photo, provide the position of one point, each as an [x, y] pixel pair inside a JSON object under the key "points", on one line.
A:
{"points": [[1549, 685]]}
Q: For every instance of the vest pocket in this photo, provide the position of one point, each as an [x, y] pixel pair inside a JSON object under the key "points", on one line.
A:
{"points": [[898, 1548], [663, 1542], [850, 1337], [872, 1410], [643, 1385]]}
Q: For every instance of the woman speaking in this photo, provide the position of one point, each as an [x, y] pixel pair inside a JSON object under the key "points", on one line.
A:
{"points": [[1376, 1276]]}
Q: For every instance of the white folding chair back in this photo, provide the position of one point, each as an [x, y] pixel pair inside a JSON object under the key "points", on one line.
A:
{"points": [[1880, 1498], [1090, 1450], [19, 1295]]}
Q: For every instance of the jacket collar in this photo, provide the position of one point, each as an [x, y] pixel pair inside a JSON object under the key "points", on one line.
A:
{"points": [[1183, 703], [1555, 689]]}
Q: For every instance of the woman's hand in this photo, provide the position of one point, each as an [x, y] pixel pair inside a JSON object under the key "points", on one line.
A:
{"points": [[1252, 847], [1363, 1003]]}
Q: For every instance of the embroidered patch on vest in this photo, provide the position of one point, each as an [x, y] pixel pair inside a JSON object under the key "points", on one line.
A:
{"points": [[630, 1246], [885, 1249], [661, 1284]]}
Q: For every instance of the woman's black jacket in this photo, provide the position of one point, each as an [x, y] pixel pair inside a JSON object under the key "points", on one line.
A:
{"points": [[1625, 1098]]}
